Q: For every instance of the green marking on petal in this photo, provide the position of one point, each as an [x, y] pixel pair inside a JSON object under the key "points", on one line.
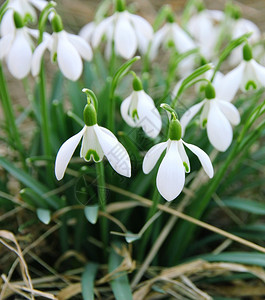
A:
{"points": [[186, 166], [54, 58], [135, 115], [251, 84], [92, 154], [204, 123]]}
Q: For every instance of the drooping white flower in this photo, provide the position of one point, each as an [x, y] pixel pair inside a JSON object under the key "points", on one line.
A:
{"points": [[171, 32], [97, 142], [217, 115], [87, 31], [68, 49], [138, 110], [24, 8], [205, 29], [16, 49], [170, 178], [128, 31], [247, 75], [240, 27]]}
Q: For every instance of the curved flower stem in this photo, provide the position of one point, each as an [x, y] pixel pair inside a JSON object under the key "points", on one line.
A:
{"points": [[102, 202], [111, 116], [13, 133]]}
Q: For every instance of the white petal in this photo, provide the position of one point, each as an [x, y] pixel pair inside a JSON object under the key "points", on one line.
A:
{"points": [[69, 60], [248, 76], [114, 151], [5, 44], [152, 156], [19, 56], [143, 30], [65, 153], [203, 158], [260, 72], [37, 56], [171, 174], [230, 83], [87, 31], [181, 39], [125, 106], [183, 156], [189, 114], [100, 31], [39, 4], [149, 117], [230, 111], [81, 46], [219, 130], [91, 148], [157, 40], [125, 38], [7, 23]]}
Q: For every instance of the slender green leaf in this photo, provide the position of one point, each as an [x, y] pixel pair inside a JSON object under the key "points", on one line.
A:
{"points": [[87, 281], [247, 205]]}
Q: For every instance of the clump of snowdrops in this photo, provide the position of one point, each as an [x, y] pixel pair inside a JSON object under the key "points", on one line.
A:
{"points": [[170, 122]]}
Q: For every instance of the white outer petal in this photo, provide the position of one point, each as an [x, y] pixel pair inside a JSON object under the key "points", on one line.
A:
{"points": [[149, 117], [219, 130], [100, 30], [181, 39], [125, 37], [230, 111], [39, 4], [37, 56], [189, 114], [87, 31], [260, 72], [125, 106], [230, 83], [65, 153], [69, 60], [157, 40], [203, 158], [7, 23], [171, 174], [19, 56], [81, 46], [5, 44], [114, 151], [152, 156]]}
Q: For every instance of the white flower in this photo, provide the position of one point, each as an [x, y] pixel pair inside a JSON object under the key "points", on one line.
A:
{"points": [[138, 110], [97, 142], [171, 173], [205, 29], [87, 31], [67, 49], [217, 115], [24, 8], [16, 49], [240, 27], [129, 32], [247, 75], [171, 32]]}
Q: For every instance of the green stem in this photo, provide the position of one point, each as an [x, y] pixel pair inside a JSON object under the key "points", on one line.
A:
{"points": [[13, 133], [102, 202], [111, 115]]}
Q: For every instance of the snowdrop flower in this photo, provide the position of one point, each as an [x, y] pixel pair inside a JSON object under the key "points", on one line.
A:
{"points": [[240, 27], [97, 141], [171, 173], [128, 31], [26, 8], [87, 31], [16, 49], [171, 32], [66, 48], [247, 75], [138, 110], [205, 29], [217, 115]]}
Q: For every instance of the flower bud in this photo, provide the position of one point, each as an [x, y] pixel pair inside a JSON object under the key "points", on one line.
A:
{"points": [[90, 115], [137, 84], [174, 132], [19, 23], [120, 5], [57, 24], [209, 91], [247, 52]]}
